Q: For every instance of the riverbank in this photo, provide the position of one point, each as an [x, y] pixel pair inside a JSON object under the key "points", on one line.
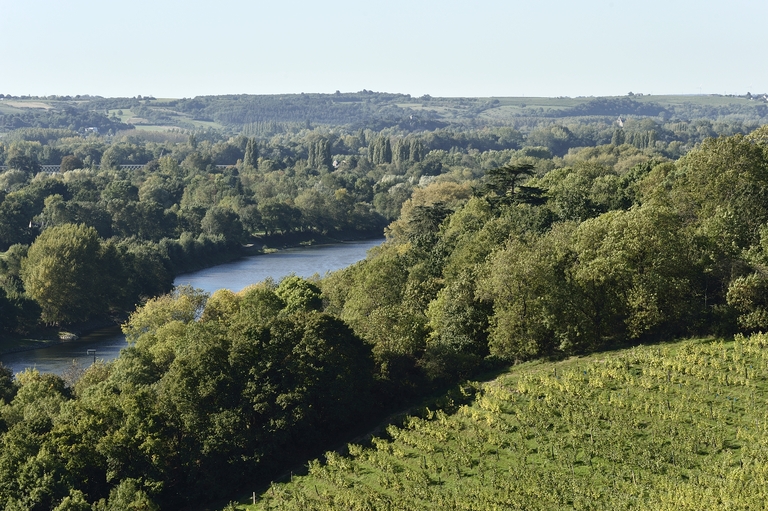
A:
{"points": [[47, 336], [268, 244]]}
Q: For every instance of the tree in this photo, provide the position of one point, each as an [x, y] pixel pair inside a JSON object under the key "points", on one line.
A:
{"points": [[251, 158], [319, 155], [7, 386], [12, 179], [503, 186], [129, 496], [278, 216], [299, 294], [401, 152], [60, 273], [184, 304], [71, 162], [55, 211], [224, 222], [26, 164], [380, 150]]}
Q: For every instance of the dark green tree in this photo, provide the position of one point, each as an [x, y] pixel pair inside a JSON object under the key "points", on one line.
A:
{"points": [[24, 163], [251, 158], [71, 162], [224, 222], [503, 186]]}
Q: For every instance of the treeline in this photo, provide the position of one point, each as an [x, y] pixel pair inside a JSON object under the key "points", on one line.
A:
{"points": [[66, 117], [180, 211], [354, 109], [210, 393], [599, 253], [376, 111], [582, 259], [70, 275], [312, 181], [613, 107]]}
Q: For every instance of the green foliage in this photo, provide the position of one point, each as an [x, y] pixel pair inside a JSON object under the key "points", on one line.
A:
{"points": [[71, 162], [672, 427], [128, 495], [577, 194], [184, 305], [459, 323], [224, 222], [747, 295], [27, 164], [724, 186], [7, 385], [299, 294], [207, 389], [251, 158], [75, 501], [58, 273], [503, 186]]}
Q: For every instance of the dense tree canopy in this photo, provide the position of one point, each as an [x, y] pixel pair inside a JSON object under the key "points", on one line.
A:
{"points": [[205, 391], [59, 273], [508, 243]]}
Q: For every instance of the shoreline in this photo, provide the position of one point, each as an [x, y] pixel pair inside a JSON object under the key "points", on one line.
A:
{"points": [[295, 240], [79, 330], [305, 239]]}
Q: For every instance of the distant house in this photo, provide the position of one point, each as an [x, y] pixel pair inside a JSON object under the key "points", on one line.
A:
{"points": [[620, 122], [92, 129]]}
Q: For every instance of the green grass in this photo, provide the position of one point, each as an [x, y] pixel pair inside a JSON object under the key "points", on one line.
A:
{"points": [[127, 114], [694, 99], [6, 108], [675, 426], [153, 127]]}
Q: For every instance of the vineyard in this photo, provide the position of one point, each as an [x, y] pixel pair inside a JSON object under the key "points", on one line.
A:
{"points": [[674, 426]]}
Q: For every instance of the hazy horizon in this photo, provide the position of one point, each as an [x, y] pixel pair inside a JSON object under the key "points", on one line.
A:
{"points": [[444, 49]]}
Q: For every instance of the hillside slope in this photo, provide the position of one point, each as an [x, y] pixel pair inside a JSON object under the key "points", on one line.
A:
{"points": [[675, 426]]}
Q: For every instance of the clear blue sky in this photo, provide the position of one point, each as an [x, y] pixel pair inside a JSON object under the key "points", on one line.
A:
{"points": [[170, 48]]}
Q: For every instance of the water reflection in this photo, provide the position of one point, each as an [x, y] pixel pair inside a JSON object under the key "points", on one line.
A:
{"points": [[59, 357], [305, 262]]}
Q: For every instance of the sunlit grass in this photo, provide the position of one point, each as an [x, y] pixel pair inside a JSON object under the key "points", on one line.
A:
{"points": [[675, 426]]}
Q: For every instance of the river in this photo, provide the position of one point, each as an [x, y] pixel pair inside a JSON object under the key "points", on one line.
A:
{"points": [[303, 261]]}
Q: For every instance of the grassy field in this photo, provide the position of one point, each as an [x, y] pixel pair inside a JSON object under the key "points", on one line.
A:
{"points": [[29, 104], [507, 109], [7, 108], [124, 116], [675, 426], [694, 99]]}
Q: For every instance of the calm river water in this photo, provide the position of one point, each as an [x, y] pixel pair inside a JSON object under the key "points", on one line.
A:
{"points": [[304, 261]]}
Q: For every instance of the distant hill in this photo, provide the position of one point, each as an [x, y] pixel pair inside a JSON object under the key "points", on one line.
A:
{"points": [[364, 109]]}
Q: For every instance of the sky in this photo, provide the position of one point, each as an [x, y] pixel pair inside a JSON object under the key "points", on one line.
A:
{"points": [[174, 49]]}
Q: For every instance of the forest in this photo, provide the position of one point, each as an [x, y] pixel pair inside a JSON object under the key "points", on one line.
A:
{"points": [[593, 225]]}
